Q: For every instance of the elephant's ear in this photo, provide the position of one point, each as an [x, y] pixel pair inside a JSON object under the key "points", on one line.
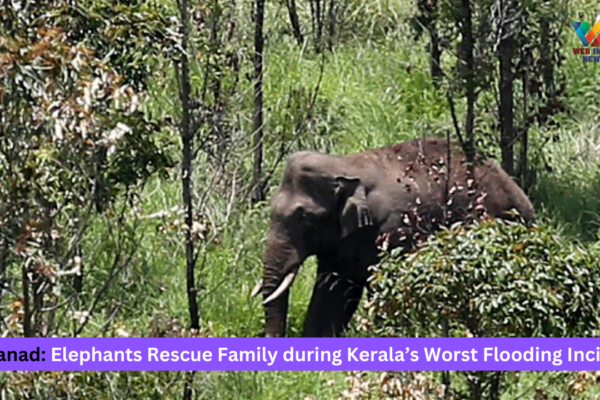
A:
{"points": [[353, 210]]}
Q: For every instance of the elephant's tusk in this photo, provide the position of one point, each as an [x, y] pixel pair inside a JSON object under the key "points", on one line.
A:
{"points": [[257, 289], [283, 286]]}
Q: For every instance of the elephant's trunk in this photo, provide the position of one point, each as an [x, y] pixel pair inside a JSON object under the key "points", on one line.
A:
{"points": [[276, 310], [281, 263]]}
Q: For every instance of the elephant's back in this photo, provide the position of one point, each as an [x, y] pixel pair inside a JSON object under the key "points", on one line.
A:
{"points": [[421, 184]]}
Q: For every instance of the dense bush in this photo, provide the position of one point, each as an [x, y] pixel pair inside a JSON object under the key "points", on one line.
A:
{"points": [[493, 279]]}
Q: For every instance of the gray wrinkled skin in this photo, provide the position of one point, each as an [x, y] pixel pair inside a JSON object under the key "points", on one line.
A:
{"points": [[341, 208]]}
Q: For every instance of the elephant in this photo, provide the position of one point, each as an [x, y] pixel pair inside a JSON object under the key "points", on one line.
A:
{"points": [[346, 209]]}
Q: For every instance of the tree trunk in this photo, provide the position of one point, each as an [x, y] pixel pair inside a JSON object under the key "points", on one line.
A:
{"points": [[435, 54], [187, 127], [316, 10], [506, 51], [331, 23], [319, 19], [79, 276], [257, 121], [3, 264], [187, 387], [546, 53], [475, 384], [428, 18], [467, 55], [446, 328], [220, 134], [495, 386], [523, 168], [187, 138], [295, 21], [27, 328], [38, 288]]}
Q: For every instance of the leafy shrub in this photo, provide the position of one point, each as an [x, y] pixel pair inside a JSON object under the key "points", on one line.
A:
{"points": [[402, 385], [492, 279]]}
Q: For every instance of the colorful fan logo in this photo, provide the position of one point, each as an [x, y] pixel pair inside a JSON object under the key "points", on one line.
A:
{"points": [[586, 34]]}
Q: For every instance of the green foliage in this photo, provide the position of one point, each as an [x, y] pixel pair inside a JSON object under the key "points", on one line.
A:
{"points": [[526, 37], [569, 188], [495, 279], [73, 138], [375, 90], [377, 20], [126, 34]]}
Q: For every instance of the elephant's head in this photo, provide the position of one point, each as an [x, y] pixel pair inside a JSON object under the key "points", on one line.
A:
{"points": [[317, 205]]}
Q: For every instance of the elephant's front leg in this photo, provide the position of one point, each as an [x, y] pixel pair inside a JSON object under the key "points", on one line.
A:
{"points": [[334, 301]]}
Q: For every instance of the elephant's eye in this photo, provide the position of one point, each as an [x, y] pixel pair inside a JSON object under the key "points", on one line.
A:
{"points": [[300, 213], [307, 217]]}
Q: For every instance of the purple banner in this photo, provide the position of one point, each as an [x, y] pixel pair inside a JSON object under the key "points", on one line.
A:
{"points": [[299, 354]]}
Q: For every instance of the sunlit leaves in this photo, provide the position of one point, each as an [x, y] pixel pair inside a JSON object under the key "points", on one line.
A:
{"points": [[74, 136], [494, 279]]}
